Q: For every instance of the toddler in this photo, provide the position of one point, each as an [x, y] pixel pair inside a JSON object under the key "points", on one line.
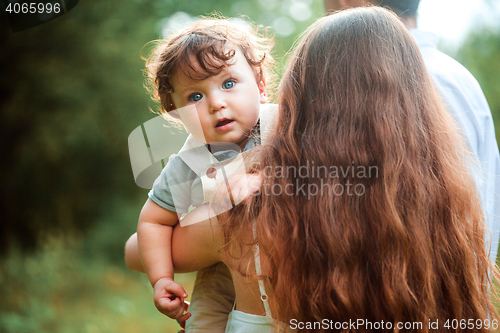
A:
{"points": [[211, 78]]}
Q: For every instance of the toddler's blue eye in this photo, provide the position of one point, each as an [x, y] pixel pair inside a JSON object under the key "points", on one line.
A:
{"points": [[195, 97], [228, 84]]}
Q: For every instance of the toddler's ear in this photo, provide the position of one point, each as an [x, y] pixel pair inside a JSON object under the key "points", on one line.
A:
{"points": [[263, 91]]}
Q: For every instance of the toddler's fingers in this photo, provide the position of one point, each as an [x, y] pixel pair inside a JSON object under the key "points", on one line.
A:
{"points": [[177, 290], [183, 319], [255, 182], [179, 313], [182, 323], [186, 316], [166, 305]]}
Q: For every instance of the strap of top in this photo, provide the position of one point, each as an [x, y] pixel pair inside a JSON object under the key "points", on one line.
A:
{"points": [[258, 269]]}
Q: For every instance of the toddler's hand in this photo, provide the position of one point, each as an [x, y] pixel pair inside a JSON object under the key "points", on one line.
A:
{"points": [[169, 299], [182, 323]]}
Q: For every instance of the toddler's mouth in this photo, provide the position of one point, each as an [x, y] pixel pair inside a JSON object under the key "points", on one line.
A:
{"points": [[224, 124]]}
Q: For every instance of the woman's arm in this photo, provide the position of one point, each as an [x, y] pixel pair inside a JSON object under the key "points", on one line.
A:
{"points": [[196, 245], [199, 232], [132, 259]]}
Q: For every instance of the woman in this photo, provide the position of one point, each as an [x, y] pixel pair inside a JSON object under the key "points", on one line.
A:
{"points": [[366, 212]]}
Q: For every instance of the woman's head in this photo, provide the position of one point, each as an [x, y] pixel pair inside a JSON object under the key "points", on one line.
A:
{"points": [[358, 110], [213, 43], [357, 67]]}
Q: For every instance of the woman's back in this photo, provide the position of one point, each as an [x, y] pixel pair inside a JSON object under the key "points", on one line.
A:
{"points": [[249, 314], [367, 209]]}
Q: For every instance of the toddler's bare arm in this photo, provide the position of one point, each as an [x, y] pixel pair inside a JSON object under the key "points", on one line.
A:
{"points": [[154, 240]]}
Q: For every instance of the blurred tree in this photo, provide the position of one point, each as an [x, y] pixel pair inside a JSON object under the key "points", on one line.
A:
{"points": [[480, 53], [71, 90], [70, 94]]}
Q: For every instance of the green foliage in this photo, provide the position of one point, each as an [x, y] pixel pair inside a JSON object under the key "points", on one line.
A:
{"points": [[480, 53], [71, 92], [58, 290]]}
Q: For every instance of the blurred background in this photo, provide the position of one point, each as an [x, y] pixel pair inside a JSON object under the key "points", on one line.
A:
{"points": [[71, 91]]}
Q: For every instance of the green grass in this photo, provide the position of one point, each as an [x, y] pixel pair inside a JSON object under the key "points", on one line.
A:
{"points": [[58, 290]]}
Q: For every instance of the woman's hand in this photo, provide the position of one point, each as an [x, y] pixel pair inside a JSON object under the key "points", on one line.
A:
{"points": [[243, 186], [238, 189]]}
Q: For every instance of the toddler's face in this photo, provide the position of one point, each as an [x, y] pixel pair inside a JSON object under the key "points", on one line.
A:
{"points": [[221, 108]]}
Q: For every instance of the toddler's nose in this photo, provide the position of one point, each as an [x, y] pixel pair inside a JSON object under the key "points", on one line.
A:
{"points": [[217, 102]]}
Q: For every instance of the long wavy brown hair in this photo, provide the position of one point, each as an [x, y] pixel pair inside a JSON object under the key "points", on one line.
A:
{"points": [[406, 244]]}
